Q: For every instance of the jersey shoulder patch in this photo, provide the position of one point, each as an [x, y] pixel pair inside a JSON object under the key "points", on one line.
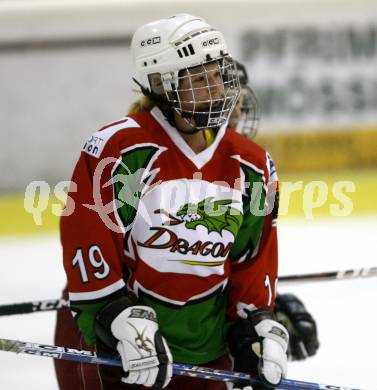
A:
{"points": [[96, 143]]}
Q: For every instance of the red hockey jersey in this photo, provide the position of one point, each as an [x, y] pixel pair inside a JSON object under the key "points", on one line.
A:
{"points": [[193, 235]]}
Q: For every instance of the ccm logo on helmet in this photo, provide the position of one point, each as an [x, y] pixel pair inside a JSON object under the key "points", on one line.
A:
{"points": [[211, 42], [150, 41]]}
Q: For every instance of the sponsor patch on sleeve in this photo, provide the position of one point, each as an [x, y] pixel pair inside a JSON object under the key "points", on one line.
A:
{"points": [[97, 142]]}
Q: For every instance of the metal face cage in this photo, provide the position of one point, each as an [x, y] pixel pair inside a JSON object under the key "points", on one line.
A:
{"points": [[250, 113], [205, 94]]}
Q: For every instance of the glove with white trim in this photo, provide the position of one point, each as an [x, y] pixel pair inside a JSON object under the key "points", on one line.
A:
{"points": [[302, 328], [133, 331], [259, 345]]}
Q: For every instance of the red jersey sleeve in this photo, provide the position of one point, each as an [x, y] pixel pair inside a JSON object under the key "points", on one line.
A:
{"points": [[91, 237], [254, 260], [92, 252]]}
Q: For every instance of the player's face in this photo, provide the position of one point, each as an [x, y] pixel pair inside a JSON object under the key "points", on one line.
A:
{"points": [[200, 86]]}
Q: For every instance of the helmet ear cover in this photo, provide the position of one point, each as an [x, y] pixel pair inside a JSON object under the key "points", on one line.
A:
{"points": [[157, 95], [155, 83]]}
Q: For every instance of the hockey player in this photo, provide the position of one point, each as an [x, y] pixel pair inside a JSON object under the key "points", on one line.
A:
{"points": [[171, 251], [289, 309]]}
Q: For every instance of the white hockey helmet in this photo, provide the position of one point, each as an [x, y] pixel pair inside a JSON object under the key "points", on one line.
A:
{"points": [[164, 49]]}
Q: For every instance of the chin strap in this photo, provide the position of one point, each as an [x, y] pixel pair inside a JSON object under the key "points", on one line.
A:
{"points": [[201, 117], [145, 91]]}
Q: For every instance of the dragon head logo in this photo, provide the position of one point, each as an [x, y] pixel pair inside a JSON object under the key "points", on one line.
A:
{"points": [[215, 215]]}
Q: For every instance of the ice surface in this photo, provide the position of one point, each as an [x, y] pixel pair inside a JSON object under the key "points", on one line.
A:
{"points": [[345, 311]]}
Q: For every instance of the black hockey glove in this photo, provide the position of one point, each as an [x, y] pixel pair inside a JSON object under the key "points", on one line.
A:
{"points": [[258, 345], [302, 329], [132, 330]]}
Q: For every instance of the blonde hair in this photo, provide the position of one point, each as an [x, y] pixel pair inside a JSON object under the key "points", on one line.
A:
{"points": [[143, 103]]}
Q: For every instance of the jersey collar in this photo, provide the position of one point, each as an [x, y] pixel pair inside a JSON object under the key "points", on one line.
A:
{"points": [[198, 159]]}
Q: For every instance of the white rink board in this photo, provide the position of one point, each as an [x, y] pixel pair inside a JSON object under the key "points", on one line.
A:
{"points": [[344, 310]]}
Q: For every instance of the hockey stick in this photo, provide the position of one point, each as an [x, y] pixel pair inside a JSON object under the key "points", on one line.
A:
{"points": [[54, 304], [32, 307], [330, 275], [64, 353]]}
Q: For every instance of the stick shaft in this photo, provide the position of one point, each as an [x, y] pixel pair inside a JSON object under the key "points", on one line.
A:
{"points": [[32, 307], [330, 275], [64, 353], [55, 304]]}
